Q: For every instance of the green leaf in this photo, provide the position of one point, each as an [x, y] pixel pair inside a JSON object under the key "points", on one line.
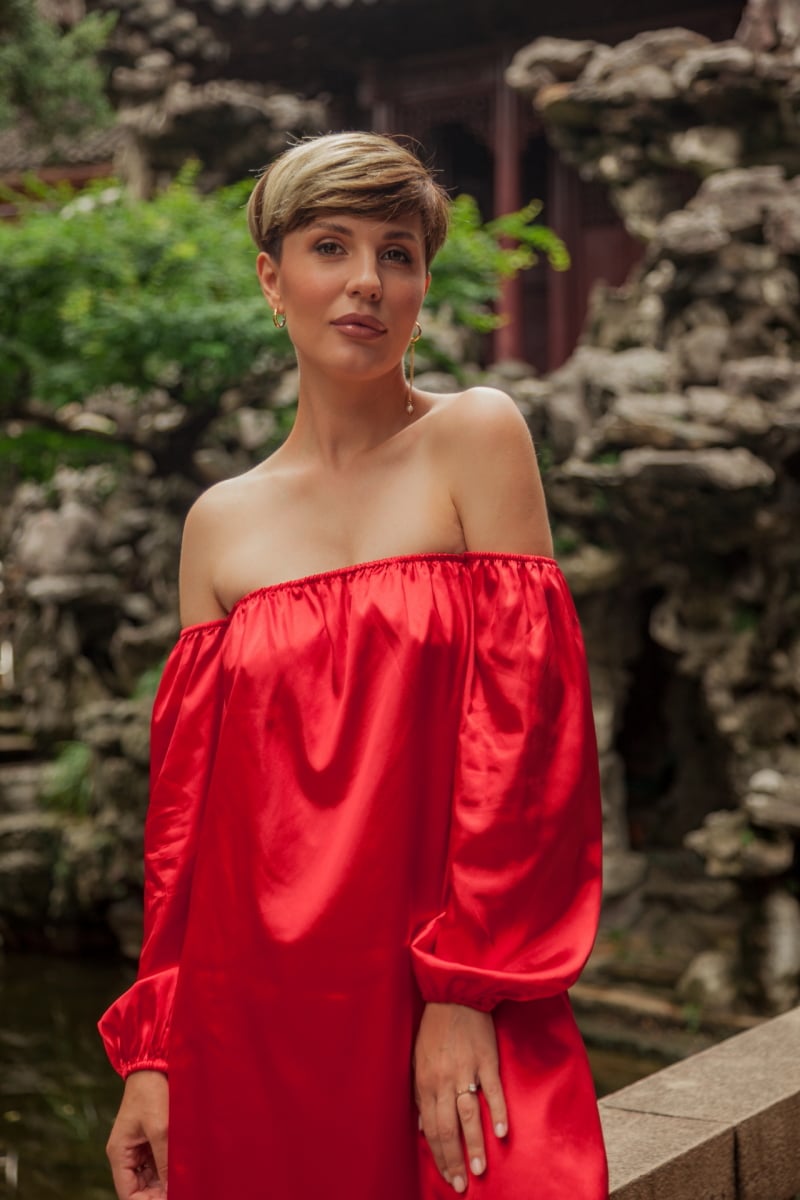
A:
{"points": [[49, 76], [468, 271], [68, 786]]}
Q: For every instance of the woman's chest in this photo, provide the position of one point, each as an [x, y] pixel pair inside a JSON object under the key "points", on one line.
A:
{"points": [[302, 529]]}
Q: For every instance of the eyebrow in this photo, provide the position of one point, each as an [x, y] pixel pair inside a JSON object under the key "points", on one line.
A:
{"points": [[391, 235]]}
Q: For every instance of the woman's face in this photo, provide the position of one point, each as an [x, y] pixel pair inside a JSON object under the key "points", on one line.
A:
{"points": [[351, 288]]}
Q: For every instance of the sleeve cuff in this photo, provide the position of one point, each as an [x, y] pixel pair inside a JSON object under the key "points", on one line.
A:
{"points": [[143, 1064]]}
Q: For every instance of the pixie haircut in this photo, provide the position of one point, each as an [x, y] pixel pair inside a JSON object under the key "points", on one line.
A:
{"points": [[364, 174]]}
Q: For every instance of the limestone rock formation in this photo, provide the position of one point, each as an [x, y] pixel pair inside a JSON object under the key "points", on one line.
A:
{"points": [[770, 25], [177, 97], [675, 435], [654, 114], [232, 127]]}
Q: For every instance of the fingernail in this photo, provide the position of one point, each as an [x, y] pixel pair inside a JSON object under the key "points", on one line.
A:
{"points": [[501, 1129], [476, 1165], [459, 1184]]}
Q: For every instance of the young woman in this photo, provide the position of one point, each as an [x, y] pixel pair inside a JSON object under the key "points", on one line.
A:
{"points": [[373, 843]]}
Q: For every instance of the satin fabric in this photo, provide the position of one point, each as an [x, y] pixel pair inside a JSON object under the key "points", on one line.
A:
{"points": [[371, 788]]}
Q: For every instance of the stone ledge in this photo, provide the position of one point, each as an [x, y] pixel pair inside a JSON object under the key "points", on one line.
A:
{"points": [[652, 1157], [722, 1125]]}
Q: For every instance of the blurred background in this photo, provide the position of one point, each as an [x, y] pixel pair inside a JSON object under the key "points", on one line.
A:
{"points": [[624, 261]]}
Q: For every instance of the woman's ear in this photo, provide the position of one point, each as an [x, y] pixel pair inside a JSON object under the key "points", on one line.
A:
{"points": [[267, 271], [427, 282]]}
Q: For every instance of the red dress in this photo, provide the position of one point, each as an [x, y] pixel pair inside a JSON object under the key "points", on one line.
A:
{"points": [[370, 787]]}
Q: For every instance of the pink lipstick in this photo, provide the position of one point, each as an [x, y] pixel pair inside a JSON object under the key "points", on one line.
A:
{"points": [[360, 325]]}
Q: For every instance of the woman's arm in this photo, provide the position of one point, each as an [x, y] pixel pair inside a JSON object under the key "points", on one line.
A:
{"points": [[199, 550], [183, 733], [490, 462], [494, 480], [137, 1145]]}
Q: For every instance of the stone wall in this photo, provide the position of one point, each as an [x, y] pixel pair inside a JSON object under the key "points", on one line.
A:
{"points": [[722, 1124]]}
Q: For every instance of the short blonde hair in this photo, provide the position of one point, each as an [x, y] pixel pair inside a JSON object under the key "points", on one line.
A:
{"points": [[365, 174]]}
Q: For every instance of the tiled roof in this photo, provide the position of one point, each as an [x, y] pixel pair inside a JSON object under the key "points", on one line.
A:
{"points": [[20, 152]]}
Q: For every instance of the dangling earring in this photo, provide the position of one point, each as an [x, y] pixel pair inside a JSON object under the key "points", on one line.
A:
{"points": [[276, 318], [417, 334]]}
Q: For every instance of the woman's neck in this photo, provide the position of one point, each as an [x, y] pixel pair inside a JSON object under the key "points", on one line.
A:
{"points": [[337, 421]]}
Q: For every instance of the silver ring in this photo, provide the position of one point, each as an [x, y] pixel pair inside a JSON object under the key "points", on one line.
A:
{"points": [[471, 1089]]}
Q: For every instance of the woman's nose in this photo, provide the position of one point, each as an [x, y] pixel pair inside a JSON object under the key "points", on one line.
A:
{"points": [[365, 280]]}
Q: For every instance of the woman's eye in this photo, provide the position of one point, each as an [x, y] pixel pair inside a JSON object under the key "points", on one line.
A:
{"points": [[398, 255], [327, 248]]}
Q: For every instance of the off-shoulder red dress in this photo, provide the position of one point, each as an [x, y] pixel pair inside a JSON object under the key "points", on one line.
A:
{"points": [[371, 788]]}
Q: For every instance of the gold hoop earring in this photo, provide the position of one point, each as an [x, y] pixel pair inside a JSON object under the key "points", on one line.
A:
{"points": [[416, 335], [276, 318]]}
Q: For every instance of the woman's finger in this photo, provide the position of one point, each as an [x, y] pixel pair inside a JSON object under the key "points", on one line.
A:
{"points": [[155, 1192], [130, 1171], [157, 1136], [429, 1128], [449, 1131], [469, 1113], [495, 1098]]}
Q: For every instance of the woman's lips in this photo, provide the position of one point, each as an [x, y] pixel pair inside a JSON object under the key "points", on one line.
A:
{"points": [[358, 325]]}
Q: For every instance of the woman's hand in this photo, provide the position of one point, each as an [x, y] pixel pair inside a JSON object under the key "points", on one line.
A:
{"points": [[457, 1046], [137, 1146]]}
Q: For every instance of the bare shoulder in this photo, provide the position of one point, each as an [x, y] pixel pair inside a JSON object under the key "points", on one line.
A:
{"points": [[209, 524], [211, 515], [216, 504], [483, 420], [487, 452], [482, 408]]}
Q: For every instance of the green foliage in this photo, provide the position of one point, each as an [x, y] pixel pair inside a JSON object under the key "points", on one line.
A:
{"points": [[565, 541], [692, 1017], [146, 685], [468, 271], [34, 453], [50, 76], [68, 787], [99, 290], [546, 457], [745, 618]]}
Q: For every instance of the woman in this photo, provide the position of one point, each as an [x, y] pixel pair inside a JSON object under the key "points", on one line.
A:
{"points": [[372, 846]]}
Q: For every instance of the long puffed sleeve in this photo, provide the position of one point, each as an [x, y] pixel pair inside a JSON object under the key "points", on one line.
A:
{"points": [[135, 1029], [523, 880]]}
